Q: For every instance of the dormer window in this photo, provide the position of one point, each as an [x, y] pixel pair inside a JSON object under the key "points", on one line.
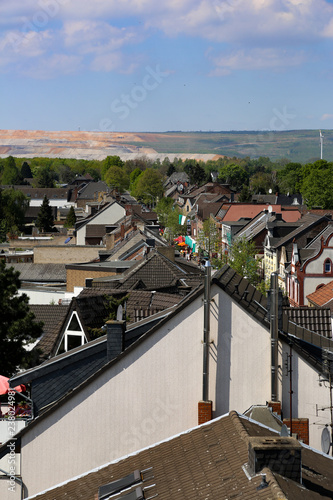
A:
{"points": [[327, 266]]}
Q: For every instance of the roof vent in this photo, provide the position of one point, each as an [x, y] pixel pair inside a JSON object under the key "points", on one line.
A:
{"points": [[119, 485], [280, 454]]}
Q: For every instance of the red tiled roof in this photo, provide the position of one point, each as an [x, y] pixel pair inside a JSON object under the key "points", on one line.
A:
{"points": [[322, 295], [249, 210]]}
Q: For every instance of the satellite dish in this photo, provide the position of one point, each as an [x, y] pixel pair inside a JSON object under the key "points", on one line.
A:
{"points": [[270, 209], [270, 191], [120, 313], [284, 432], [325, 441]]}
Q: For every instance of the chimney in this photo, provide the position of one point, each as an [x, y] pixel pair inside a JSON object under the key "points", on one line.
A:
{"points": [[115, 338], [89, 282], [122, 231], [128, 209], [168, 252], [278, 216], [109, 241], [282, 455]]}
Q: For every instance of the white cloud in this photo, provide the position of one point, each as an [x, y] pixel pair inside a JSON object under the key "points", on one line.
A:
{"points": [[326, 116], [255, 59], [50, 67], [97, 37], [96, 32]]}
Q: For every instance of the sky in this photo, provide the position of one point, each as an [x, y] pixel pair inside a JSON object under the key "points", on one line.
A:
{"points": [[166, 65]]}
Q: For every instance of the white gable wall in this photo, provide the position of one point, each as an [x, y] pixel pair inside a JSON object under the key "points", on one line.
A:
{"points": [[152, 393], [309, 396], [110, 215]]}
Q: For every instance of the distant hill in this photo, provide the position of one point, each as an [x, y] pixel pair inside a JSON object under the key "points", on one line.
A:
{"points": [[294, 145]]}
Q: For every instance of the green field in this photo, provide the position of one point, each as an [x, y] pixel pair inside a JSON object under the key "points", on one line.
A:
{"points": [[294, 145]]}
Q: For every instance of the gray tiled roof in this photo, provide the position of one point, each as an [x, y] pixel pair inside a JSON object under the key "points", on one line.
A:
{"points": [[91, 190], [325, 233], [315, 319], [303, 223], [205, 462], [155, 272], [42, 273], [52, 316]]}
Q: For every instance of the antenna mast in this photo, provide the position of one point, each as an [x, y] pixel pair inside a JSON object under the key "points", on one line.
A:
{"points": [[321, 144]]}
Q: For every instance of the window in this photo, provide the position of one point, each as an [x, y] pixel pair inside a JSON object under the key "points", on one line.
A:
{"points": [[327, 266]]}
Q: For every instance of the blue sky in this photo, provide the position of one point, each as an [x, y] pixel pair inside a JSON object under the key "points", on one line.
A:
{"points": [[143, 65]]}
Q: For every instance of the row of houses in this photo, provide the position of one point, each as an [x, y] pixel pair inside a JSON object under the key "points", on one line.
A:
{"points": [[138, 385], [199, 386]]}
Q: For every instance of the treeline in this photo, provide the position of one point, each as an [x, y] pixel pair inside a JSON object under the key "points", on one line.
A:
{"points": [[144, 178]]}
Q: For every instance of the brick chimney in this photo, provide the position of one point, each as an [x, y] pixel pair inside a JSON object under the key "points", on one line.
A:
{"points": [[282, 455], [128, 209], [122, 231], [115, 338], [276, 407], [205, 411], [300, 427]]}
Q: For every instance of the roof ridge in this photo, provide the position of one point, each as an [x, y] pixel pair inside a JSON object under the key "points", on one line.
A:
{"points": [[273, 484], [239, 426]]}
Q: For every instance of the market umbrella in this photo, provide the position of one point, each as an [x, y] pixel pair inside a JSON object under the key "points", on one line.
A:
{"points": [[182, 244], [4, 386]]}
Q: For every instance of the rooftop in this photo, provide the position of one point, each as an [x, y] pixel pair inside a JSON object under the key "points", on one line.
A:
{"points": [[209, 461]]}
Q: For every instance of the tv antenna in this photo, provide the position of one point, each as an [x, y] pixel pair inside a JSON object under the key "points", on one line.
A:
{"points": [[321, 137]]}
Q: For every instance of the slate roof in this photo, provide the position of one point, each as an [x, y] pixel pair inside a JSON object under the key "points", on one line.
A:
{"points": [[304, 224], [41, 273], [178, 177], [205, 462], [95, 230], [91, 301], [53, 317], [91, 190], [326, 233], [39, 193]]}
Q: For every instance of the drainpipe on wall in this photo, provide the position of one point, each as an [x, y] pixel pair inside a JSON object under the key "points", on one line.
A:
{"points": [[274, 311], [205, 406]]}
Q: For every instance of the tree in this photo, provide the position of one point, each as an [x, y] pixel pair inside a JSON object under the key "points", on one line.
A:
{"points": [[289, 178], [148, 186], [44, 221], [111, 161], [168, 216], [71, 218], [260, 183], [209, 238], [195, 172], [10, 175], [316, 187], [13, 205], [17, 326], [26, 171], [234, 175], [45, 177], [117, 178], [242, 259], [245, 195]]}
